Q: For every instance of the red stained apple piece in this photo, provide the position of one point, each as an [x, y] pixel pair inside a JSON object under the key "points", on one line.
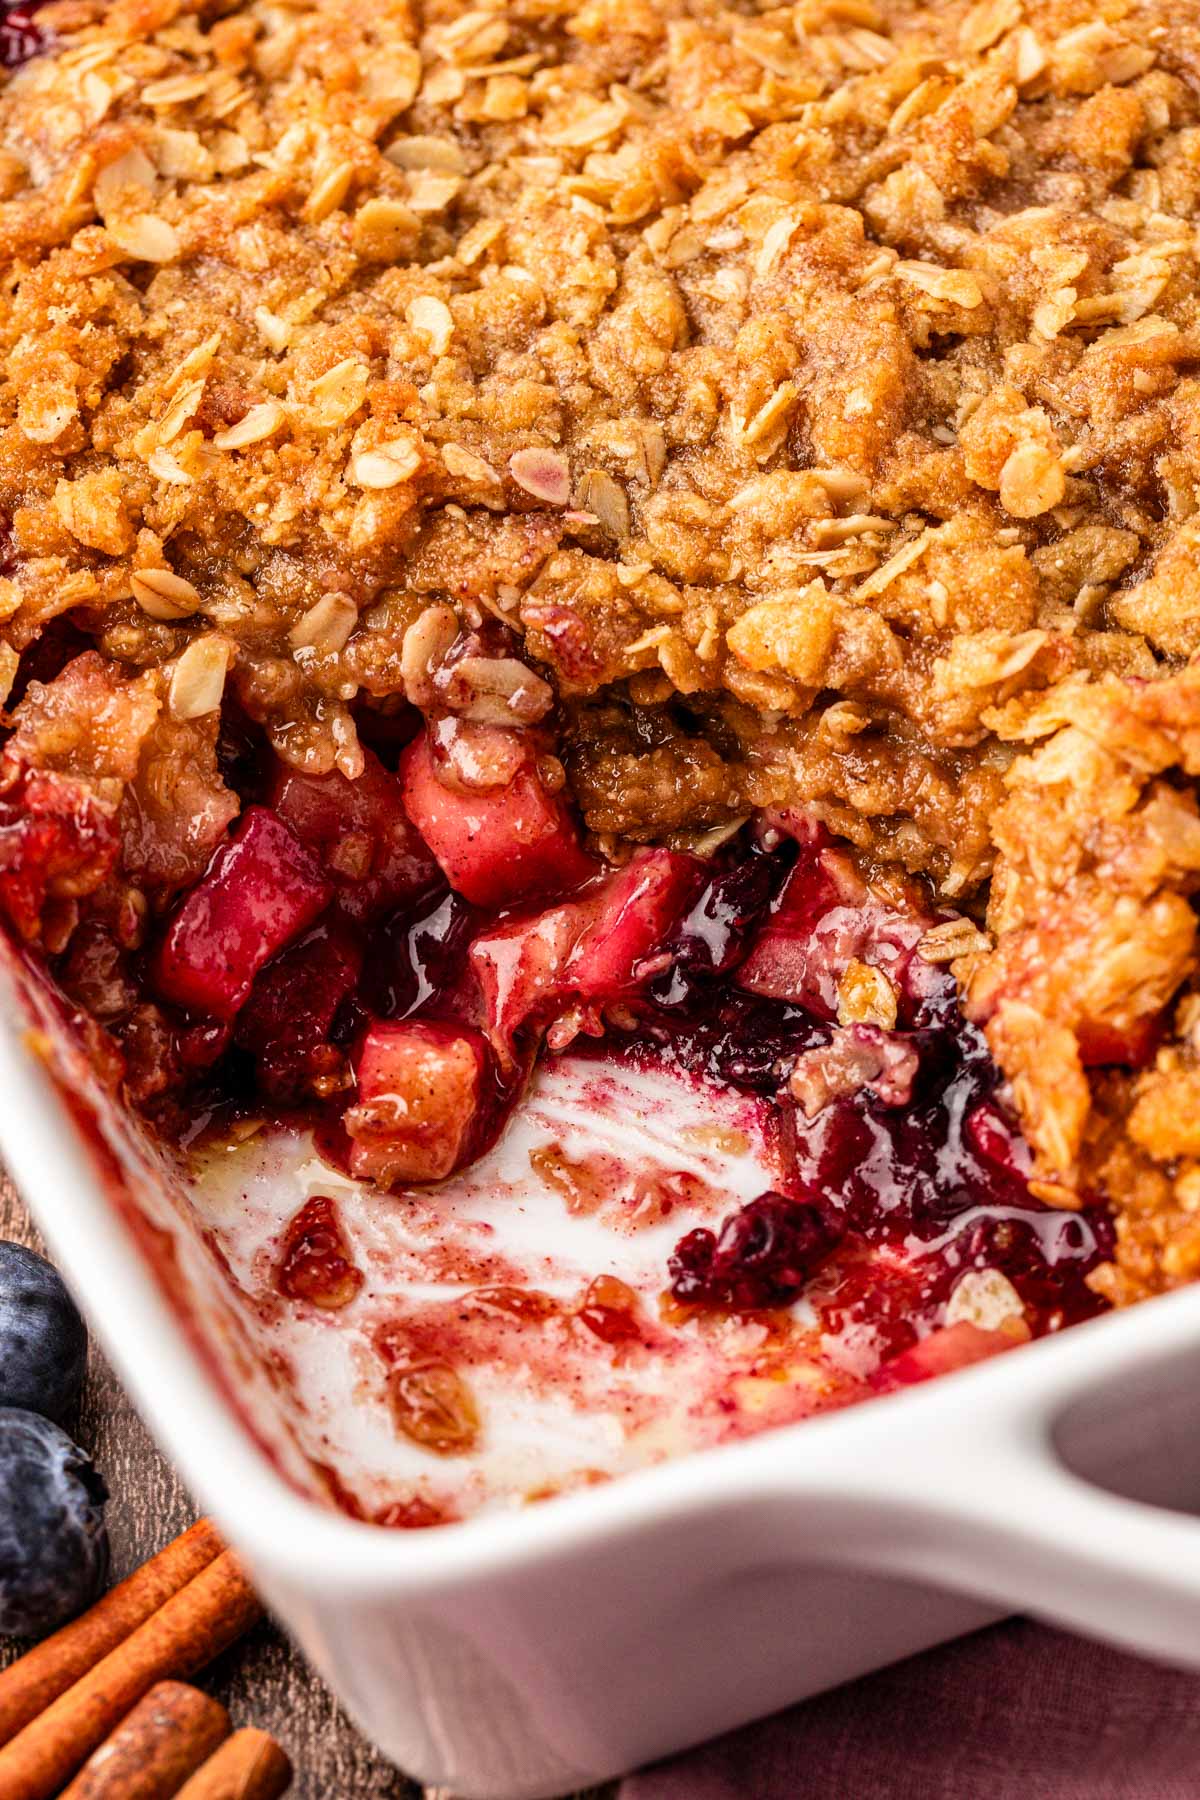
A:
{"points": [[949, 1348], [260, 891], [495, 845], [638, 911], [360, 834], [998, 1141], [825, 918], [57, 844], [601, 947], [419, 1088], [521, 968]]}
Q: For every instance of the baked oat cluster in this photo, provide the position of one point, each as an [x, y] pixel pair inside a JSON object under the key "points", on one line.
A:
{"points": [[785, 407]]}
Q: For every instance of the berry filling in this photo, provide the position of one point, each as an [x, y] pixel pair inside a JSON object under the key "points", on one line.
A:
{"points": [[384, 958], [763, 1256]]}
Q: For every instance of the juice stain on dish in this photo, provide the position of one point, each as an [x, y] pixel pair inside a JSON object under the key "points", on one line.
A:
{"points": [[509, 1334]]}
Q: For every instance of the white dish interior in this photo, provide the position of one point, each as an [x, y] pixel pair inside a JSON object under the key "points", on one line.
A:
{"points": [[560, 1408]]}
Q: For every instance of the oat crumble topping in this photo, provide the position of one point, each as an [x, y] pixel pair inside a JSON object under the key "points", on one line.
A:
{"points": [[811, 391]]}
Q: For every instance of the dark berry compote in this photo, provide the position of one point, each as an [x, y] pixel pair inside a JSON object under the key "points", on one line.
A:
{"points": [[385, 958]]}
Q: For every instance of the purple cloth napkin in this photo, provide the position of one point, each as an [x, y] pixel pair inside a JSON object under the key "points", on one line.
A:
{"points": [[1016, 1712]]}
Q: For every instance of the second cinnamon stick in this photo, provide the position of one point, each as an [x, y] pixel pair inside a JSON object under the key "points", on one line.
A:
{"points": [[196, 1624], [248, 1766], [166, 1738]]}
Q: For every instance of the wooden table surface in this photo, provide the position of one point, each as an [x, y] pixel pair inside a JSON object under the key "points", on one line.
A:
{"points": [[263, 1680]]}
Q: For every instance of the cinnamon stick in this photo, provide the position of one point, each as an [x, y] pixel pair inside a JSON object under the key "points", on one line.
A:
{"points": [[166, 1737], [248, 1766], [28, 1686], [194, 1625]]}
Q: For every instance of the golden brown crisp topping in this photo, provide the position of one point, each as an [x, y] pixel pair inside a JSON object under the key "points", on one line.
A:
{"points": [[813, 388]]}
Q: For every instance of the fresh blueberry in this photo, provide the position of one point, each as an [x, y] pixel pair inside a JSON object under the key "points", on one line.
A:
{"points": [[53, 1544], [43, 1340]]}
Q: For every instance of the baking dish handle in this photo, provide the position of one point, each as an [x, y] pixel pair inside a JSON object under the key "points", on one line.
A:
{"points": [[1048, 1543], [979, 1497]]}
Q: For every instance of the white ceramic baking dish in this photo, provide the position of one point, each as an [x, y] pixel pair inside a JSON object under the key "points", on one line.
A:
{"points": [[524, 1653]]}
